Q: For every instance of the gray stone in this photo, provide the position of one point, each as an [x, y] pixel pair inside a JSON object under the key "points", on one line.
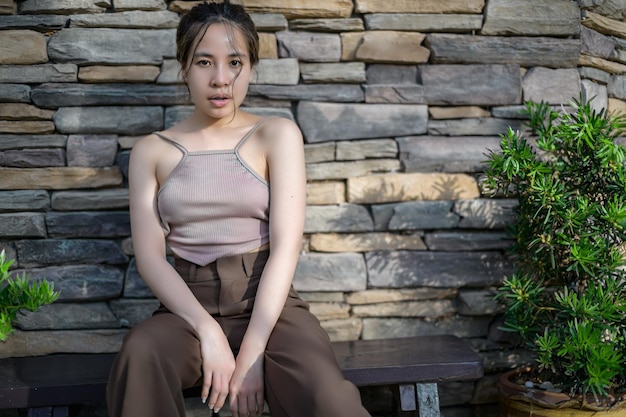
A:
{"points": [[617, 86], [134, 285], [22, 225], [309, 46], [467, 241], [448, 23], [330, 272], [45, 342], [596, 44], [614, 9], [554, 86], [510, 112], [484, 126], [69, 316], [400, 269], [64, 7], [524, 51], [364, 149], [327, 25], [38, 73], [53, 95], [91, 150], [277, 71], [24, 200], [31, 141], [505, 360], [445, 154], [112, 46], [486, 85], [135, 19], [345, 72], [317, 92], [88, 224], [391, 74], [387, 328], [419, 215], [109, 120], [478, 303], [544, 18], [90, 200], [176, 114], [170, 73], [34, 253], [81, 282], [270, 22], [350, 169], [455, 393], [485, 213], [595, 94], [339, 218], [14, 93], [131, 312], [39, 23], [122, 5], [10, 253], [322, 122], [33, 158]]}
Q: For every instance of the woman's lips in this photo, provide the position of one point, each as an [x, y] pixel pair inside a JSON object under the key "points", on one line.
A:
{"points": [[219, 101]]}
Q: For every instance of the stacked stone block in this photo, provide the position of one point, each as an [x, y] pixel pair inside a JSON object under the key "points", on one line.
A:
{"points": [[398, 102]]}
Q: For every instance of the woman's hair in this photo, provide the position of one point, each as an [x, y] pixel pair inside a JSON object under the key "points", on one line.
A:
{"points": [[194, 24]]}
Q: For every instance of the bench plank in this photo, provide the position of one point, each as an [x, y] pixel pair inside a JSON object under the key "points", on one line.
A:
{"points": [[81, 378]]}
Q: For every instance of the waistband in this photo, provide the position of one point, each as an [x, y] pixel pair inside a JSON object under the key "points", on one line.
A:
{"points": [[229, 267]]}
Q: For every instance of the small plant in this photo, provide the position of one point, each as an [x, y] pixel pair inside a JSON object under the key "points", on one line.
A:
{"points": [[19, 294], [567, 296]]}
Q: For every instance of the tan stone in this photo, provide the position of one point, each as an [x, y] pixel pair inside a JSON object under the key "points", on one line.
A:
{"points": [[386, 188], [182, 6], [409, 294], [350, 43], [121, 74], [419, 6], [21, 111], [341, 170], [294, 9], [319, 152], [8, 7], [364, 242], [602, 64], [268, 48], [22, 47], [58, 178], [127, 142], [323, 297], [392, 47], [604, 25], [617, 106], [437, 308], [330, 311], [37, 343], [460, 112], [35, 127], [343, 329], [322, 193]]}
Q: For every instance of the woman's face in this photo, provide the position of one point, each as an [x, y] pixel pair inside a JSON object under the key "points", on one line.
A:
{"points": [[219, 72]]}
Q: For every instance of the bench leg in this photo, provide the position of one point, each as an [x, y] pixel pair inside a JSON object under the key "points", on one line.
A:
{"points": [[427, 399]]}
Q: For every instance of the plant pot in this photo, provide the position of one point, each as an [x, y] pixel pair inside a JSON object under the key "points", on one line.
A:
{"points": [[519, 401]]}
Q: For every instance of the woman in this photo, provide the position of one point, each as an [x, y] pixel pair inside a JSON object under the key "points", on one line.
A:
{"points": [[229, 319]]}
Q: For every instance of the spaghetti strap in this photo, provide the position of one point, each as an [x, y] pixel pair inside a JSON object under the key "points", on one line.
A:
{"points": [[173, 142], [247, 135]]}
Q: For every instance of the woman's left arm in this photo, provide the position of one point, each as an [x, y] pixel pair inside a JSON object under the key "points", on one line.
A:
{"points": [[287, 173]]}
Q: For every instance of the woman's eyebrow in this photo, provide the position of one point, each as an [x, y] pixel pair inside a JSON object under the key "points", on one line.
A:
{"points": [[203, 54]]}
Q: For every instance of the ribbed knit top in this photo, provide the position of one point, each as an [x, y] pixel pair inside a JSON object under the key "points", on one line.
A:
{"points": [[213, 204]]}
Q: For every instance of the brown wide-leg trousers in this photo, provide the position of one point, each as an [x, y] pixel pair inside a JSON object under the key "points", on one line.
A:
{"points": [[161, 355]]}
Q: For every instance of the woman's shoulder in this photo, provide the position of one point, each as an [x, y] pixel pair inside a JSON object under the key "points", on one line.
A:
{"points": [[276, 128]]}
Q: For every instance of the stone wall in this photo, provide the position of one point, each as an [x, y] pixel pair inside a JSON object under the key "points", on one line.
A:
{"points": [[398, 101]]}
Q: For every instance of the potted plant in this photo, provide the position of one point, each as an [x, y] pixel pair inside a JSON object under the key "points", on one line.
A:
{"points": [[17, 293], [567, 296]]}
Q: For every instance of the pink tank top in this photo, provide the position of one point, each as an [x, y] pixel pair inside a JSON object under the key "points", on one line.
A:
{"points": [[213, 204]]}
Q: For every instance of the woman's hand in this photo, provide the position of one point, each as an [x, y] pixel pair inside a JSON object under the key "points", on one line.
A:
{"points": [[218, 365], [246, 385]]}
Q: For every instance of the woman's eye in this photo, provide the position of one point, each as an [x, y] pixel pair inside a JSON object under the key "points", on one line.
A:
{"points": [[235, 63], [204, 63]]}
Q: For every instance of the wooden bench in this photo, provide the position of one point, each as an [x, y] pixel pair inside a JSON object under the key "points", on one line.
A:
{"points": [[46, 386]]}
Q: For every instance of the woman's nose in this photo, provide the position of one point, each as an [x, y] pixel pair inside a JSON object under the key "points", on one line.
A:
{"points": [[220, 77]]}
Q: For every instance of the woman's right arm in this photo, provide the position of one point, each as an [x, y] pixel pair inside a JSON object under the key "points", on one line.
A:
{"points": [[148, 239]]}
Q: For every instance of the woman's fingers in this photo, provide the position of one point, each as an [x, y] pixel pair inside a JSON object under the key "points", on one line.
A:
{"points": [[206, 387]]}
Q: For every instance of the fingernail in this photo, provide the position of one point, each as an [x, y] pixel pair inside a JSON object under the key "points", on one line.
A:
{"points": [[203, 400], [217, 410]]}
